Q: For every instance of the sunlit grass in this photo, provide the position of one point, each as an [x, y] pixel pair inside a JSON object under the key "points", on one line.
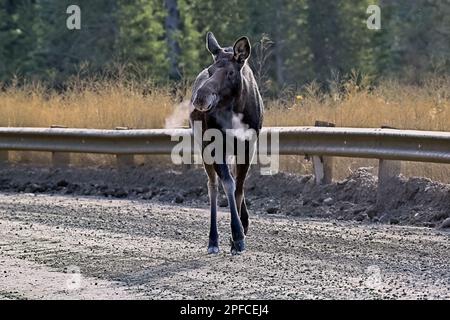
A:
{"points": [[106, 105], [401, 106]]}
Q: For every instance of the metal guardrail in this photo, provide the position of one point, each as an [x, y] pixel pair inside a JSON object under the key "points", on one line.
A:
{"points": [[389, 144], [322, 143]]}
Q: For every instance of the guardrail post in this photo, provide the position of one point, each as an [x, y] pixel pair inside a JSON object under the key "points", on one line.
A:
{"points": [[387, 170], [60, 159], [323, 166], [124, 160], [4, 157], [186, 166]]}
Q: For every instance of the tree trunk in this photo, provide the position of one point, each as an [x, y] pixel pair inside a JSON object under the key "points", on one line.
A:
{"points": [[278, 45], [324, 34], [172, 25]]}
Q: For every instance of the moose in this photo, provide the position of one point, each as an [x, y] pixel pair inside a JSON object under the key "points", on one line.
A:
{"points": [[221, 91]]}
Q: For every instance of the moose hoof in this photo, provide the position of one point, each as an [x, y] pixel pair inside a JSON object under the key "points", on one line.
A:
{"points": [[237, 246], [213, 250]]}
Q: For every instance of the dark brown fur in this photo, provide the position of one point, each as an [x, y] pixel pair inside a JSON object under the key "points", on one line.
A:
{"points": [[221, 91]]}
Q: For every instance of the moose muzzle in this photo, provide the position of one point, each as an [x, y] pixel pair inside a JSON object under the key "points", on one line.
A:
{"points": [[205, 99]]}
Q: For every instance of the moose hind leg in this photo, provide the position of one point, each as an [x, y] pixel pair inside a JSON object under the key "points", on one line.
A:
{"points": [[237, 231], [213, 244]]}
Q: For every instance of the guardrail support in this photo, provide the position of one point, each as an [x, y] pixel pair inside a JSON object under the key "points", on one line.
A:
{"points": [[323, 166], [124, 160], [387, 170], [4, 157], [186, 166], [60, 159]]}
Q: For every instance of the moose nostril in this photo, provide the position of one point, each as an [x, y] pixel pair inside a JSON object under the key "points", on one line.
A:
{"points": [[199, 101], [204, 101]]}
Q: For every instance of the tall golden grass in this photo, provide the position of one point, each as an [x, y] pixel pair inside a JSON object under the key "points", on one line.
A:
{"points": [[99, 105], [393, 104], [110, 104]]}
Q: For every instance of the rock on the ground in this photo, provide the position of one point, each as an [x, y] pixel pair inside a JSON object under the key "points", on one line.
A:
{"points": [[272, 210], [445, 224]]}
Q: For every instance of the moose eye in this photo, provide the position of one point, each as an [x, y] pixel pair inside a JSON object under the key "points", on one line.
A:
{"points": [[230, 73]]}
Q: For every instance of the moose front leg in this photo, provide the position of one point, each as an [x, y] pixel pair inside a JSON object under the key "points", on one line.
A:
{"points": [[237, 231], [213, 245], [241, 174]]}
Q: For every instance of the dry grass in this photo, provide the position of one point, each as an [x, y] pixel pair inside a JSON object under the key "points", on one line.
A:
{"points": [[105, 106], [400, 106], [112, 104]]}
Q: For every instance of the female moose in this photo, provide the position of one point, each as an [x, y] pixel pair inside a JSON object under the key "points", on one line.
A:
{"points": [[222, 93]]}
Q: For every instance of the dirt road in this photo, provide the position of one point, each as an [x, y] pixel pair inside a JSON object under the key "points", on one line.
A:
{"points": [[65, 247]]}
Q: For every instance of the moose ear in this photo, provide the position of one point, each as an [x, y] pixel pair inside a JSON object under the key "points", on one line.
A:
{"points": [[242, 49], [211, 44]]}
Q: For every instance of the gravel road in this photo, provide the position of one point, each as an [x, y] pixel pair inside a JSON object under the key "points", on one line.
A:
{"points": [[135, 249]]}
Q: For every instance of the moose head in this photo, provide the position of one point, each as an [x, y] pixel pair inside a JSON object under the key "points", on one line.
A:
{"points": [[224, 81]]}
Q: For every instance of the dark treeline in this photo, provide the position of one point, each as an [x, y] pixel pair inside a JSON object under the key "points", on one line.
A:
{"points": [[294, 41]]}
